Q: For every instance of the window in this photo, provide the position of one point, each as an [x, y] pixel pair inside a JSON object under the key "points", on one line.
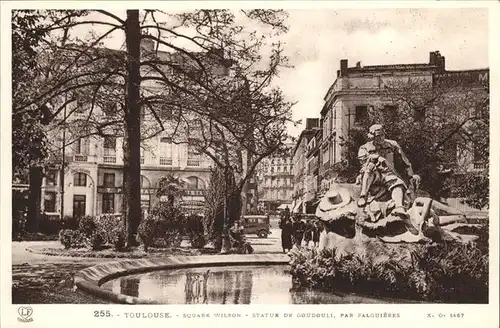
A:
{"points": [[390, 111], [79, 205], [80, 179], [194, 183], [81, 146], [192, 152], [479, 151], [109, 146], [419, 114], [108, 203], [361, 114], [109, 179], [78, 146], [109, 109], [50, 202], [481, 111], [51, 178], [166, 147]]}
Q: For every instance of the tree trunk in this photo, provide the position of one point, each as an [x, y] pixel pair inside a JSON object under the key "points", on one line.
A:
{"points": [[132, 140], [34, 199]]}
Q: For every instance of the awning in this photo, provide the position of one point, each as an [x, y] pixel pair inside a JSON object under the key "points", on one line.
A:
{"points": [[282, 206]]}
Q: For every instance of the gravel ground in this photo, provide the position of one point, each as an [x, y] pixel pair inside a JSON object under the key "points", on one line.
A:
{"points": [[45, 279]]}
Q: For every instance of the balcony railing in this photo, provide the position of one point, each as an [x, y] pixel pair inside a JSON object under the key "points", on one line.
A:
{"points": [[165, 161], [80, 158], [193, 162], [479, 165], [109, 159], [194, 192]]}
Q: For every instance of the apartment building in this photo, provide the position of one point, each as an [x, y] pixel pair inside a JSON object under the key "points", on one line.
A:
{"points": [[92, 181], [300, 164], [357, 89], [275, 181]]}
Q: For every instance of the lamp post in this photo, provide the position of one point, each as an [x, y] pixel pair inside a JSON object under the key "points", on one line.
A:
{"points": [[63, 159]]}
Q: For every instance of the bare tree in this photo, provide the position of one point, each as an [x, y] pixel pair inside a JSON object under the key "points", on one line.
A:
{"points": [[193, 84], [438, 125]]}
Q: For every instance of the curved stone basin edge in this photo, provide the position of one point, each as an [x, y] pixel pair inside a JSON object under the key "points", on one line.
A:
{"points": [[90, 279]]}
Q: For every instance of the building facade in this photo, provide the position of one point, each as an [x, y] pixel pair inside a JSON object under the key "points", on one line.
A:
{"points": [[300, 165], [92, 180], [275, 181], [355, 91]]}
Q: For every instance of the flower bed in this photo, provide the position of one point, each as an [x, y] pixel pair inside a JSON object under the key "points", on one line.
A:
{"points": [[111, 253], [449, 272]]}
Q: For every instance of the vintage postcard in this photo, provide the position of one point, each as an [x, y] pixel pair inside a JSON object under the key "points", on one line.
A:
{"points": [[249, 163]]}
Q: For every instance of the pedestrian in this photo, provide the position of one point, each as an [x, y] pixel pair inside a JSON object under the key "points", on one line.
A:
{"points": [[298, 230], [286, 234], [308, 230], [316, 232]]}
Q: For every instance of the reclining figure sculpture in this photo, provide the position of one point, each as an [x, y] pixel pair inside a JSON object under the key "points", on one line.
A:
{"points": [[382, 204]]}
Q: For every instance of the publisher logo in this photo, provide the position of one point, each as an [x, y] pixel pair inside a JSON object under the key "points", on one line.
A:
{"points": [[25, 313]]}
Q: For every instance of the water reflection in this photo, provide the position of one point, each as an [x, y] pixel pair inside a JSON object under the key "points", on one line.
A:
{"points": [[225, 285]]}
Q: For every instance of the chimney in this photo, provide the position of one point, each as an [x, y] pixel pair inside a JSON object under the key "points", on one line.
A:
{"points": [[312, 123], [358, 64], [147, 46], [343, 67], [441, 64]]}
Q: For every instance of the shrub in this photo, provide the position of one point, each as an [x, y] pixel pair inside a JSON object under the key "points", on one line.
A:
{"points": [[444, 272], [195, 230], [70, 222], [87, 226], [164, 227], [150, 230], [50, 224], [73, 239], [96, 241], [118, 238], [106, 226], [18, 224]]}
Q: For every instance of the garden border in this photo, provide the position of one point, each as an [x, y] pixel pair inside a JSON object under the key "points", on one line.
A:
{"points": [[90, 279], [91, 254]]}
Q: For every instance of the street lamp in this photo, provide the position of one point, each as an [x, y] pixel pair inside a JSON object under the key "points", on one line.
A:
{"points": [[63, 157]]}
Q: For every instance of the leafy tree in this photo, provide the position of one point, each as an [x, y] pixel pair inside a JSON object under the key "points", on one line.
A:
{"points": [[172, 187]]}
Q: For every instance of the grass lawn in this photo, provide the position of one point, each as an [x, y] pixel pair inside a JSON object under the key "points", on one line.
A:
{"points": [[50, 283]]}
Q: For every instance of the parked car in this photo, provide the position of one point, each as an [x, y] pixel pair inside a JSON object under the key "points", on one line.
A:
{"points": [[256, 225]]}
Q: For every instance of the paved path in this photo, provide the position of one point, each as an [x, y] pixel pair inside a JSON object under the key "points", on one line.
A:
{"points": [[271, 244], [41, 278]]}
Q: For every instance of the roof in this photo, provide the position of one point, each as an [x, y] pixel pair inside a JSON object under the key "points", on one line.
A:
{"points": [[304, 134]]}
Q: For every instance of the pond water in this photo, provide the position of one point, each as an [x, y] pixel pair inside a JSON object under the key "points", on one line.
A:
{"points": [[226, 285]]}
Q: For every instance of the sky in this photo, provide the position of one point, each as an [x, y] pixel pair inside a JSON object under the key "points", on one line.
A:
{"points": [[318, 39]]}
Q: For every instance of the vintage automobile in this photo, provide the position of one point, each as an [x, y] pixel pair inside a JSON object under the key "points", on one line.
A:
{"points": [[256, 224]]}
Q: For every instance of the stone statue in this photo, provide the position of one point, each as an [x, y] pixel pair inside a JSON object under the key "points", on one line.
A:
{"points": [[382, 205], [379, 176]]}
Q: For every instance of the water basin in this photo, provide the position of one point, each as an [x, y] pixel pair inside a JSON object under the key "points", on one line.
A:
{"points": [[227, 285]]}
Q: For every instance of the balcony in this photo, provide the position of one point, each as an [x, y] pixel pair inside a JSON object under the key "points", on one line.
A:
{"points": [[165, 161], [193, 162], [80, 158], [479, 165], [194, 192], [109, 159]]}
